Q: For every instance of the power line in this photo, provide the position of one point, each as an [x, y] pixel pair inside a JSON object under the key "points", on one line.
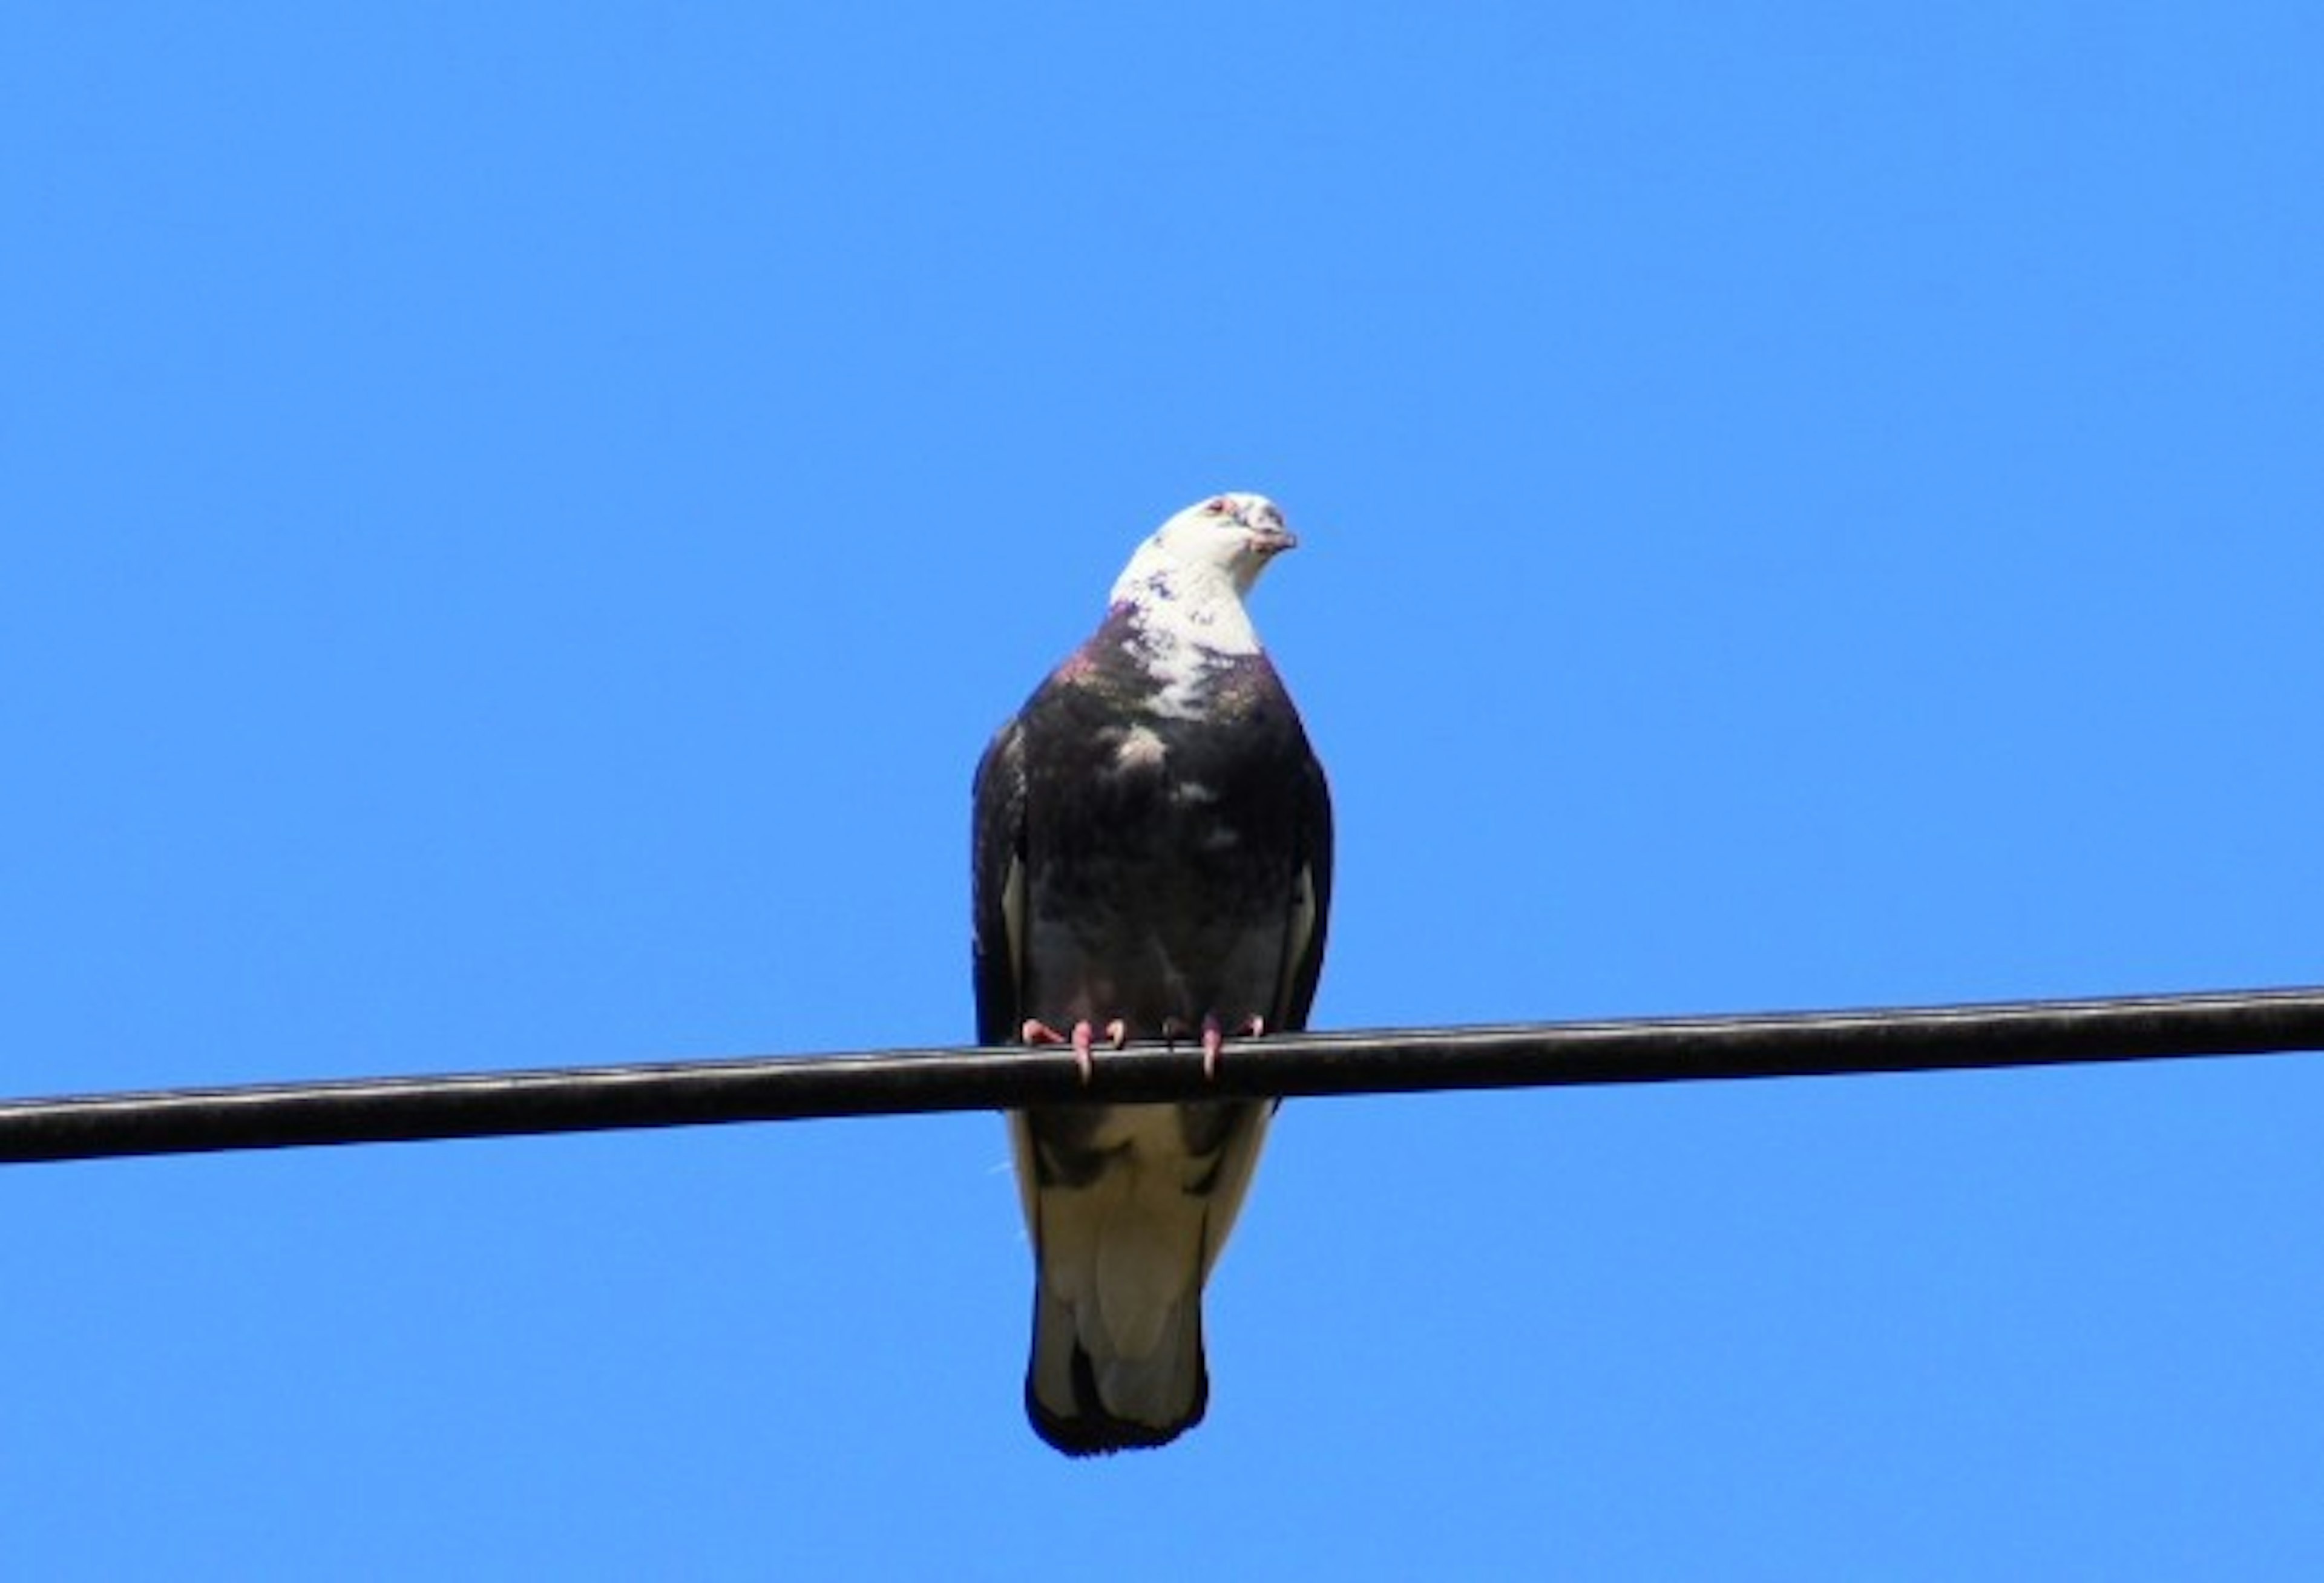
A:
{"points": [[692, 1094]]}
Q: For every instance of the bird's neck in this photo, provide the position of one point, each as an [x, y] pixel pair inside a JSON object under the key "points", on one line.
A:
{"points": [[1183, 612]]}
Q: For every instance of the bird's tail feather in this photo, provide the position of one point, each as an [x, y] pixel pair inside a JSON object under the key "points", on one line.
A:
{"points": [[1085, 1404], [1125, 1231]]}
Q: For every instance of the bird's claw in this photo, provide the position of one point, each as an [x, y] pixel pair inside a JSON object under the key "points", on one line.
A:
{"points": [[1116, 1033], [1214, 1040], [1082, 1039]]}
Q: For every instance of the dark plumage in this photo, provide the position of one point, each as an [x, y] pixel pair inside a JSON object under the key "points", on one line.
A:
{"points": [[1153, 856]]}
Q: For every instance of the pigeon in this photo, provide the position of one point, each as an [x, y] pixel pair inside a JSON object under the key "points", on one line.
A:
{"points": [[1152, 860]]}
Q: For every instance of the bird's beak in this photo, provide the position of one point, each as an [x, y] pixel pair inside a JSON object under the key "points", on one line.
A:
{"points": [[1272, 538]]}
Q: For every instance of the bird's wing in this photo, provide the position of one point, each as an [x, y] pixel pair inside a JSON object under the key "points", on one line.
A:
{"points": [[1311, 901], [998, 847]]}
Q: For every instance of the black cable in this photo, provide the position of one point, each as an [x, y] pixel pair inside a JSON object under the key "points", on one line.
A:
{"points": [[1397, 1060]]}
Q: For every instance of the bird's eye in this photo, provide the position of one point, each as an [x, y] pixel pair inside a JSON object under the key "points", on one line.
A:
{"points": [[1216, 508]]}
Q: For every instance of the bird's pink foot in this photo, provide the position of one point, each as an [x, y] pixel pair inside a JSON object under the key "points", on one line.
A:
{"points": [[1214, 1040], [1082, 1039], [1036, 1032]]}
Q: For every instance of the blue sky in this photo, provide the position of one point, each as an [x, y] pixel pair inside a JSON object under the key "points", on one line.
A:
{"points": [[519, 520]]}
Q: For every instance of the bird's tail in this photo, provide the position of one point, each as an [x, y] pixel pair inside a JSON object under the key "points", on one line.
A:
{"points": [[1086, 1395], [1126, 1220]]}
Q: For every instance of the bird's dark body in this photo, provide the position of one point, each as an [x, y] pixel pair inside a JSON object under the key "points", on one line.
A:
{"points": [[1157, 860]]}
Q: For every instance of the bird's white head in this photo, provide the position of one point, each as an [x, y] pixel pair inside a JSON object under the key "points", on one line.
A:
{"points": [[1233, 535], [1193, 572], [1184, 589]]}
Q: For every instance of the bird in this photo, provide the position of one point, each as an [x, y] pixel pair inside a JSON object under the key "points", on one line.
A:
{"points": [[1152, 858]]}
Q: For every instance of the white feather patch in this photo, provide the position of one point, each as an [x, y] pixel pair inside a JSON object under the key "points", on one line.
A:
{"points": [[1140, 748]]}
